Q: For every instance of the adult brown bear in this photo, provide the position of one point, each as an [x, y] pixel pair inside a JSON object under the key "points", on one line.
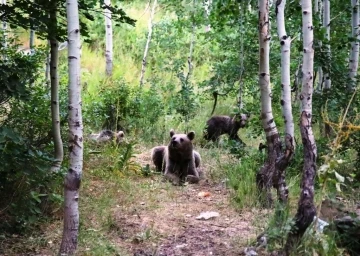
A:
{"points": [[178, 160], [218, 125]]}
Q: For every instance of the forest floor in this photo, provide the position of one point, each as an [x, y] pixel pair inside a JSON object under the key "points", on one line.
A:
{"points": [[163, 222], [145, 216]]}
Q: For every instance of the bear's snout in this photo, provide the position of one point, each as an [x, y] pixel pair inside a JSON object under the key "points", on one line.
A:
{"points": [[174, 143]]}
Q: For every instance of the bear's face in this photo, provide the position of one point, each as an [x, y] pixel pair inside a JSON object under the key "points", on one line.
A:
{"points": [[181, 142], [240, 119]]}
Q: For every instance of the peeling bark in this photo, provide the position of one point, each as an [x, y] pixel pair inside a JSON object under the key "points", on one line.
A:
{"points": [[354, 53], [73, 177], [109, 40], [264, 177], [306, 208], [150, 26], [207, 6]]}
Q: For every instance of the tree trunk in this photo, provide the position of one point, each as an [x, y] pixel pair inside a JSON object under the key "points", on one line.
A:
{"points": [[285, 158], [207, 6], [4, 28], [317, 10], [109, 39], [241, 54], [73, 177], [55, 112], [265, 174], [326, 24], [150, 25], [354, 54], [306, 208]]}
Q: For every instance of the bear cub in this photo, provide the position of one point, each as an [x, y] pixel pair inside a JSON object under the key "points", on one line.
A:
{"points": [[178, 160], [218, 125], [108, 135]]}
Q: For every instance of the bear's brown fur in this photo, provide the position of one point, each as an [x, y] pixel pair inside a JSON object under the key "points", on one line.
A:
{"points": [[178, 157], [218, 125], [158, 154]]}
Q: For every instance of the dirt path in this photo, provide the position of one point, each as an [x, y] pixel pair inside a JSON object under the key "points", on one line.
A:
{"points": [[164, 222]]}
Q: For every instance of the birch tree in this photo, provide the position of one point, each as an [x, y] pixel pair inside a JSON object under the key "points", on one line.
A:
{"points": [[265, 175], [54, 78], [207, 6], [306, 209], [285, 45], [109, 39], [326, 24], [354, 53], [318, 11], [150, 26], [73, 176], [4, 27]]}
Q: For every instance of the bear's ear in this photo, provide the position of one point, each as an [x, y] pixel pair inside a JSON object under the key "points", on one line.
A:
{"points": [[120, 134], [191, 135], [172, 133]]}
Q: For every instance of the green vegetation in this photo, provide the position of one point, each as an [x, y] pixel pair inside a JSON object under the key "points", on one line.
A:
{"points": [[118, 180]]}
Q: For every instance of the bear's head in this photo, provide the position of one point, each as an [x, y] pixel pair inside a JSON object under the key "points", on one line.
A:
{"points": [[119, 136], [240, 119], [181, 143]]}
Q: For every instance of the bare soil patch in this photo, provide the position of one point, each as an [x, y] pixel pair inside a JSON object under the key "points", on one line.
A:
{"points": [[163, 222]]}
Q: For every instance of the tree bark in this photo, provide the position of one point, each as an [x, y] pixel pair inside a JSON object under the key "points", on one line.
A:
{"points": [[354, 53], [207, 6], [306, 208], [318, 10], [55, 112], [266, 173], [150, 25], [109, 39], [4, 27], [73, 177], [326, 24], [285, 158]]}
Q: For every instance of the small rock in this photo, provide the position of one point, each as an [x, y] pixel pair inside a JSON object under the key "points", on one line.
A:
{"points": [[181, 246], [207, 215], [188, 215], [142, 203]]}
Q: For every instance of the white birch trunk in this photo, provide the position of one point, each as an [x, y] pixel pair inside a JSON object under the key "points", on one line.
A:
{"points": [[266, 172], [4, 28], [55, 112], [73, 177], [354, 54], [109, 40], [150, 25], [207, 6], [285, 45], [317, 10], [326, 24], [306, 208]]}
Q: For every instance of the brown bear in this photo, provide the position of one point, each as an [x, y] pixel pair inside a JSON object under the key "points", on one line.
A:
{"points": [[107, 135], [158, 153], [178, 160], [218, 125]]}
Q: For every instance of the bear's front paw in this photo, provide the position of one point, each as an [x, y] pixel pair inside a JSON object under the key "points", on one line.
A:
{"points": [[192, 179]]}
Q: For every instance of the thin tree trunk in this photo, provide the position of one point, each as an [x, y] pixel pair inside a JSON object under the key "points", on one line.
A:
{"points": [[47, 66], [317, 11], [306, 208], [207, 6], [265, 174], [354, 54], [284, 160], [326, 24], [4, 28], [109, 40], [55, 112], [73, 177], [241, 55], [150, 25]]}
